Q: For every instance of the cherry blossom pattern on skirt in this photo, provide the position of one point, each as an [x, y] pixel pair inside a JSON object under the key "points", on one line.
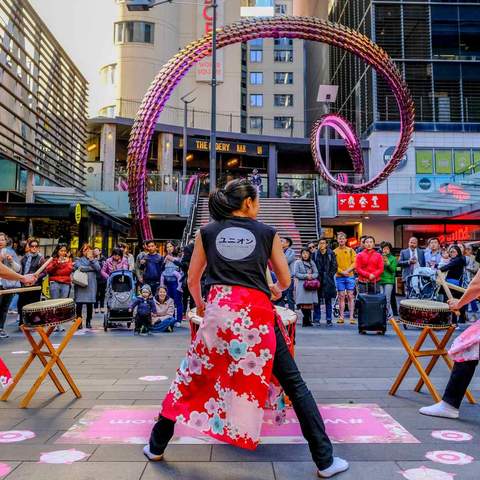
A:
{"points": [[63, 456], [451, 435], [449, 457], [4, 469], [12, 436], [424, 473], [153, 378]]}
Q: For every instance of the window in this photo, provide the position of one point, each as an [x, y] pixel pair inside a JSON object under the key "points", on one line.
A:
{"points": [[283, 78], [256, 56], [283, 55], [462, 161], [281, 9], [283, 123], [107, 74], [256, 123], [256, 44], [109, 111], [256, 78], [134, 32], [283, 100], [283, 43], [443, 162], [424, 161], [256, 100], [445, 34]]}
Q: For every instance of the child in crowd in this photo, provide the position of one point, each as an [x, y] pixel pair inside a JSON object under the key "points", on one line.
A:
{"points": [[178, 275], [145, 306]]}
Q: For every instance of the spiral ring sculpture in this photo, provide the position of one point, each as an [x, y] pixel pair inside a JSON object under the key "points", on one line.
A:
{"points": [[306, 28]]}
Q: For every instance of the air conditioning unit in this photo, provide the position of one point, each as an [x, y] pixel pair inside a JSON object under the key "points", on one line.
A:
{"points": [[93, 176]]}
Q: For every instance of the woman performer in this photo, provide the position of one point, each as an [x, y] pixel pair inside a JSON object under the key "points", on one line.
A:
{"points": [[222, 385], [465, 352]]}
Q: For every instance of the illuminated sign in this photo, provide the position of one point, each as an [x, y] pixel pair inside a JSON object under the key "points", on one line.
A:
{"points": [[362, 203], [235, 148]]}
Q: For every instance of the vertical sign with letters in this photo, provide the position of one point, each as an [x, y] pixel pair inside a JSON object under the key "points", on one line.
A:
{"points": [[204, 27]]}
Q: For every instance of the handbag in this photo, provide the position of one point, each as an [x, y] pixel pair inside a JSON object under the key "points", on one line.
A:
{"points": [[313, 284], [80, 278]]}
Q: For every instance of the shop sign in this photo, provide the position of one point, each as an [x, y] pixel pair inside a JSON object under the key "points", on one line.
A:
{"points": [[78, 213], [234, 148], [205, 27], [362, 203], [327, 232]]}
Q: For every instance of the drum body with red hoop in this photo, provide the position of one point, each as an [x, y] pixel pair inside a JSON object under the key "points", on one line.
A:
{"points": [[49, 312], [425, 313]]}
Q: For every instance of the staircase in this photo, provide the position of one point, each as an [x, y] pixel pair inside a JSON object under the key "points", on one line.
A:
{"points": [[294, 218]]}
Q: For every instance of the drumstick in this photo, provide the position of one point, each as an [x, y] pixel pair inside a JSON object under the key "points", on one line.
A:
{"points": [[19, 290], [443, 283], [43, 267]]}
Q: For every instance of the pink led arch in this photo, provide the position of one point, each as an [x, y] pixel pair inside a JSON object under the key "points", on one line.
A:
{"points": [[306, 28]]}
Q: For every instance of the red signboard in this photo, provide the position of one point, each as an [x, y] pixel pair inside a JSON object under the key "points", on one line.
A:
{"points": [[362, 203]]}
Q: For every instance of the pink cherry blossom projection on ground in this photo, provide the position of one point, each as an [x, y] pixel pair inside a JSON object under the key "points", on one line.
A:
{"points": [[449, 457], [4, 469], [12, 436], [424, 473], [153, 378], [63, 456], [451, 436]]}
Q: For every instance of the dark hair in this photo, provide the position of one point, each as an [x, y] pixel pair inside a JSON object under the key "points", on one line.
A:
{"points": [[175, 247], [367, 237], [58, 248], [166, 291], [386, 244], [364, 237], [32, 240], [308, 251], [322, 239], [289, 240], [432, 239], [117, 251], [457, 249], [224, 202], [148, 242]]}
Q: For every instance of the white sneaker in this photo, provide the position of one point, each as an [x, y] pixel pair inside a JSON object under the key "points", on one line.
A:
{"points": [[3, 334], [339, 465], [151, 456], [440, 409]]}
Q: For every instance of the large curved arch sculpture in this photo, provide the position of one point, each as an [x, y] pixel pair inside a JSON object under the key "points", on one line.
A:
{"points": [[306, 28]]}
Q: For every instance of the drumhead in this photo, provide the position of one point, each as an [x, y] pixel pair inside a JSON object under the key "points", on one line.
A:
{"points": [[48, 304], [419, 304], [193, 317]]}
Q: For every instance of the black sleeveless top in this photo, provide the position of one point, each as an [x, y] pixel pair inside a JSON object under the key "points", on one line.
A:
{"points": [[238, 250]]}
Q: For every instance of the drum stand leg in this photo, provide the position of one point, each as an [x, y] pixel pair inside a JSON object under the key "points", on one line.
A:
{"points": [[48, 365], [413, 353], [444, 354]]}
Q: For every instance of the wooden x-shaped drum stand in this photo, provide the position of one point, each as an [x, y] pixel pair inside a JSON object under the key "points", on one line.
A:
{"points": [[415, 353], [49, 359]]}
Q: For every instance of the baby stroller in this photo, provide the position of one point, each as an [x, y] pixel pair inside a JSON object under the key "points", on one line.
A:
{"points": [[119, 295], [422, 284]]}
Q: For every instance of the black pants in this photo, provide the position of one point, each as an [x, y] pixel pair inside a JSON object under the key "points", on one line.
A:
{"points": [[79, 308], [5, 301], [460, 379], [144, 321], [100, 299], [311, 423], [307, 316], [26, 298]]}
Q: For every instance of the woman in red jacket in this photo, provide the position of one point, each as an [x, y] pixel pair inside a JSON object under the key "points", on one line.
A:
{"points": [[60, 272], [369, 267]]}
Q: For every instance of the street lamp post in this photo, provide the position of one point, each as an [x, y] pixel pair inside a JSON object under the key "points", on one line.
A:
{"points": [[186, 102], [213, 129]]}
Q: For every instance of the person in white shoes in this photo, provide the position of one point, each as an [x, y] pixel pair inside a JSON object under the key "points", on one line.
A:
{"points": [[463, 371]]}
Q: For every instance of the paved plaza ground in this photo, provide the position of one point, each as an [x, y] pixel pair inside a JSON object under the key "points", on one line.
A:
{"points": [[340, 366]]}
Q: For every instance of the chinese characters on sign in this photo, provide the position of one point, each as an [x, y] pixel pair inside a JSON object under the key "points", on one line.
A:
{"points": [[362, 203]]}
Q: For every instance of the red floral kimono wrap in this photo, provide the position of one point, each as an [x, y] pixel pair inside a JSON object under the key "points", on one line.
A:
{"points": [[225, 381], [5, 376]]}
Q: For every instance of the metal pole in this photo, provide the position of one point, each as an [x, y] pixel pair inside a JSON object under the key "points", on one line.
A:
{"points": [[185, 146], [213, 132], [327, 143]]}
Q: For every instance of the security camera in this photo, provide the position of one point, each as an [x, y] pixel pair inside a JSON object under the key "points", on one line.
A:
{"points": [[139, 5]]}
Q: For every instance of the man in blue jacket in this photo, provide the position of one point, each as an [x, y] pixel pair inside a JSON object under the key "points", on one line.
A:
{"points": [[152, 265], [291, 259]]}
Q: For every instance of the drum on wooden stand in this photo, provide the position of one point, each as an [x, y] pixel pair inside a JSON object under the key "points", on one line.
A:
{"points": [[49, 312], [425, 313]]}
